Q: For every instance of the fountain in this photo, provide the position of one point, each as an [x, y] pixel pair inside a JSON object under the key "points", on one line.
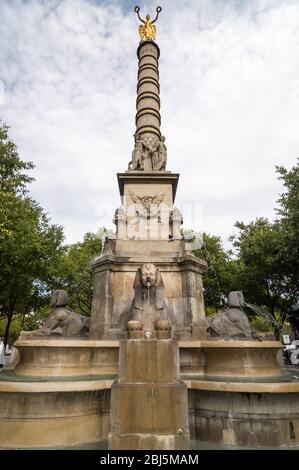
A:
{"points": [[147, 347]]}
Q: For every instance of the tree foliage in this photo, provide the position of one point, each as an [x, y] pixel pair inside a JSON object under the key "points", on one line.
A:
{"points": [[74, 272], [262, 279], [288, 211], [222, 273], [29, 245], [268, 252]]}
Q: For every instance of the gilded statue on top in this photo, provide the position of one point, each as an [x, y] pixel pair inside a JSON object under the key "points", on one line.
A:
{"points": [[147, 30]]}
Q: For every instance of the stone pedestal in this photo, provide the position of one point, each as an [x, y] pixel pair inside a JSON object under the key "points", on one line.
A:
{"points": [[113, 280], [147, 199], [150, 387]]}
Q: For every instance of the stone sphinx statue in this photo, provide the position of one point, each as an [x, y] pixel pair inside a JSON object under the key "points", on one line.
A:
{"points": [[148, 309], [232, 322], [62, 321]]}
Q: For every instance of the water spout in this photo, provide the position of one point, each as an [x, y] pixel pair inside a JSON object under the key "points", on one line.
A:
{"points": [[265, 314], [148, 285]]}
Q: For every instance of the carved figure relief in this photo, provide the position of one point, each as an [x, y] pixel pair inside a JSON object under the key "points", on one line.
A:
{"points": [[147, 207], [175, 220], [138, 154], [176, 215], [157, 154]]}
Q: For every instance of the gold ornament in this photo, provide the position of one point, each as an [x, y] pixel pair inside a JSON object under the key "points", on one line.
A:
{"points": [[147, 30]]}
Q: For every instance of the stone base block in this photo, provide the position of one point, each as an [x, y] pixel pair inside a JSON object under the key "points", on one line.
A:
{"points": [[147, 360], [149, 403], [147, 409]]}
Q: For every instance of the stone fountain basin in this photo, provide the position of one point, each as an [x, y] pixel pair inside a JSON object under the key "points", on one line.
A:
{"points": [[66, 357], [53, 413], [230, 358], [71, 357], [238, 358], [62, 385]]}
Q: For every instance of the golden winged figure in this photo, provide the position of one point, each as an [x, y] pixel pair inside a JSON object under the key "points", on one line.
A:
{"points": [[147, 30]]}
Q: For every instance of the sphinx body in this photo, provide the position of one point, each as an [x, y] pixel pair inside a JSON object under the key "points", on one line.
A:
{"points": [[232, 322], [62, 321]]}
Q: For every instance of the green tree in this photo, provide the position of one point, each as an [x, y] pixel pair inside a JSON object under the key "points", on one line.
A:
{"points": [[269, 254], [288, 212], [30, 246], [263, 281], [222, 273], [74, 271]]}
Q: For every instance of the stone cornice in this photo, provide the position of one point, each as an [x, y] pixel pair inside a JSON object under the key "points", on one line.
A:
{"points": [[141, 177]]}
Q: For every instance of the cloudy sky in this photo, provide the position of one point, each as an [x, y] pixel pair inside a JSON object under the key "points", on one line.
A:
{"points": [[229, 92]]}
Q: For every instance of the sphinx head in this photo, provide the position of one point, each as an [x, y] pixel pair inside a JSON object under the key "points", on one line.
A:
{"points": [[148, 275], [59, 298], [236, 300]]}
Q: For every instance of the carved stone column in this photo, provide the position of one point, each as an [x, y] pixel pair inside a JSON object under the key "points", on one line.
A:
{"points": [[148, 119]]}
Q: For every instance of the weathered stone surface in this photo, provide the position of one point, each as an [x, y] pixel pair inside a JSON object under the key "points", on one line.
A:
{"points": [[232, 322], [148, 305], [252, 419], [241, 358], [102, 302], [139, 361], [147, 209], [53, 414], [148, 157], [148, 441], [114, 280], [147, 199], [176, 220], [150, 386], [53, 358]]}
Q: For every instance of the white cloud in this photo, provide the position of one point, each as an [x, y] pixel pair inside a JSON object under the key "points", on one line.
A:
{"points": [[229, 92]]}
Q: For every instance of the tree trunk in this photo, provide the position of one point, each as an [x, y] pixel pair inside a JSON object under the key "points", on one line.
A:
{"points": [[7, 328], [277, 333], [277, 330]]}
